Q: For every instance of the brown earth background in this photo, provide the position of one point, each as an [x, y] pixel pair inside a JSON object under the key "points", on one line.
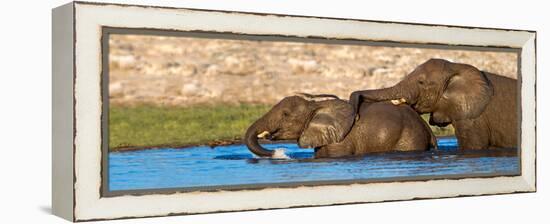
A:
{"points": [[183, 71]]}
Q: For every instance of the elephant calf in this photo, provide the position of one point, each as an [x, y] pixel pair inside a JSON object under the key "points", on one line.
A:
{"points": [[327, 123]]}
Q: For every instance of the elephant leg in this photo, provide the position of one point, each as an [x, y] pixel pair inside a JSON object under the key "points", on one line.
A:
{"points": [[321, 152], [333, 151], [471, 134]]}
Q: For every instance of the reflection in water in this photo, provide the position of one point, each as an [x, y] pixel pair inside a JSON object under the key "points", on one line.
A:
{"points": [[234, 165]]}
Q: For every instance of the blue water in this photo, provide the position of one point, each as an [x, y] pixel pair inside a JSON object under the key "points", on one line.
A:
{"points": [[234, 165]]}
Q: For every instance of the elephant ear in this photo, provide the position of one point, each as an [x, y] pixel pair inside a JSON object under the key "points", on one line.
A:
{"points": [[467, 92], [330, 123]]}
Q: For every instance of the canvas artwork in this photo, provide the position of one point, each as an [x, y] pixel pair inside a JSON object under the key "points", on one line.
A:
{"points": [[163, 111], [190, 113]]}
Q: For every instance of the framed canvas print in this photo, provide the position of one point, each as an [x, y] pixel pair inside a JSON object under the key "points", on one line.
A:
{"points": [[169, 111]]}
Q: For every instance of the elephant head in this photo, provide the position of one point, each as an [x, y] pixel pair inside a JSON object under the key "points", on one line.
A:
{"points": [[449, 91], [313, 120]]}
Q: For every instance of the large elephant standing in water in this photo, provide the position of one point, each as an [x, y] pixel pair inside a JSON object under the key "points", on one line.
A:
{"points": [[328, 124], [482, 107]]}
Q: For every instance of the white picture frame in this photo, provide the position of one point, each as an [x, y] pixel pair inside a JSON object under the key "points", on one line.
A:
{"points": [[77, 110]]}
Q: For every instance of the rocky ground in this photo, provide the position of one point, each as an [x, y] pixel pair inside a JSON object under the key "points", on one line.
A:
{"points": [[180, 71]]}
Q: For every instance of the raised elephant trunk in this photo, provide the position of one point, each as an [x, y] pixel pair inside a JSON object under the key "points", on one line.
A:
{"points": [[396, 95], [251, 139]]}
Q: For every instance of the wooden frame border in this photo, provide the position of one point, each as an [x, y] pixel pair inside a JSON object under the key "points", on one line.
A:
{"points": [[77, 59]]}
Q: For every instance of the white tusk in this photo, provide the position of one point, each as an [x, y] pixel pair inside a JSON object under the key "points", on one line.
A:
{"points": [[399, 101], [263, 134]]}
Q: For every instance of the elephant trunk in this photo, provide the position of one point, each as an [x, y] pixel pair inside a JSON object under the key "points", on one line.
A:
{"points": [[397, 94], [251, 140]]}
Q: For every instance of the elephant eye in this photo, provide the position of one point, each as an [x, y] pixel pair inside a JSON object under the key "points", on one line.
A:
{"points": [[286, 113], [421, 82]]}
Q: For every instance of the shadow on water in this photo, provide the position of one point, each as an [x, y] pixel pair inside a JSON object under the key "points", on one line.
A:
{"points": [[448, 149], [294, 156], [235, 157], [396, 156]]}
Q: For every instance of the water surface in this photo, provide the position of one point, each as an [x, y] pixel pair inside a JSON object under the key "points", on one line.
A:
{"points": [[234, 165]]}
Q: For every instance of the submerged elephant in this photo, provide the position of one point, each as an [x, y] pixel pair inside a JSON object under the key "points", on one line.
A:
{"points": [[482, 107], [328, 124]]}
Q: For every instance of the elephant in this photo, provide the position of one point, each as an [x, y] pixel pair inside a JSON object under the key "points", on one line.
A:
{"points": [[327, 124], [481, 106]]}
